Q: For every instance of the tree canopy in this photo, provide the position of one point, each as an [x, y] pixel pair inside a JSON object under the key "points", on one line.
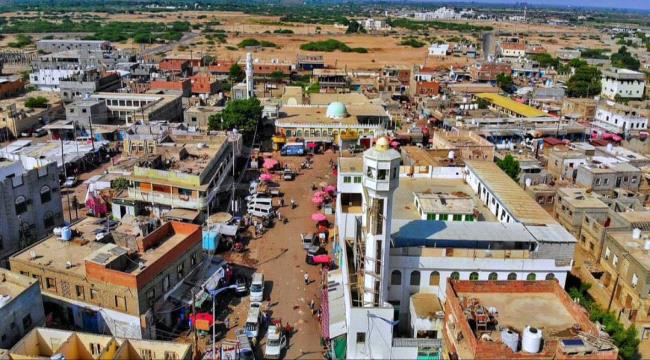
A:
{"points": [[510, 166], [504, 82], [624, 59], [236, 73], [36, 102], [242, 115], [585, 81]]}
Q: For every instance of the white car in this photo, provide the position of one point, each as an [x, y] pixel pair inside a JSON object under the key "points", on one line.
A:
{"points": [[70, 181], [276, 341]]}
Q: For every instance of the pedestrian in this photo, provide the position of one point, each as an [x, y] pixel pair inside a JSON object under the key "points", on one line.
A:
{"points": [[226, 323], [306, 279], [293, 203], [311, 304], [277, 213], [281, 202]]}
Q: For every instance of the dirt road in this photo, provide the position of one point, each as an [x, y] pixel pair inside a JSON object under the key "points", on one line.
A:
{"points": [[281, 258]]}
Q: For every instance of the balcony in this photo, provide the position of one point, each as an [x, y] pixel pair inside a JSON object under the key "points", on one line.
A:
{"points": [[461, 253], [180, 201]]}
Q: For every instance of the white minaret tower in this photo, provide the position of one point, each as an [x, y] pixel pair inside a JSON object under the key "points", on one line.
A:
{"points": [[380, 180], [250, 86]]}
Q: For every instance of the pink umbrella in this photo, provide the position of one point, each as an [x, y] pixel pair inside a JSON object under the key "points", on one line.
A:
{"points": [[330, 189], [270, 163], [266, 177], [320, 194], [317, 200], [311, 145], [318, 217]]}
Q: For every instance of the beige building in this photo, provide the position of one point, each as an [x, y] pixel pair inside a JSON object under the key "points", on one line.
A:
{"points": [[572, 204], [563, 163], [93, 282], [44, 343], [465, 144]]}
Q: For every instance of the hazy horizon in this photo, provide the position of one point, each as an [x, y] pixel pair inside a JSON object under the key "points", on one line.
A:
{"points": [[617, 4]]}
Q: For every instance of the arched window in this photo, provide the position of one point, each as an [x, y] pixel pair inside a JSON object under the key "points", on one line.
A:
{"points": [[455, 275], [531, 277], [317, 133], [512, 276], [288, 133], [434, 279], [415, 278], [493, 276], [21, 205], [473, 276], [46, 195], [550, 276], [299, 133], [396, 277]]}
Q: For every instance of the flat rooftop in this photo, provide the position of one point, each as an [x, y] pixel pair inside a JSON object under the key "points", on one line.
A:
{"points": [[351, 165], [441, 203], [580, 198], [346, 98], [420, 156], [13, 284], [404, 207], [635, 247], [518, 203]]}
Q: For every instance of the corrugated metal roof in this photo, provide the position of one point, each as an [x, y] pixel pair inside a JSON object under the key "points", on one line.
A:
{"points": [[518, 203], [509, 104]]}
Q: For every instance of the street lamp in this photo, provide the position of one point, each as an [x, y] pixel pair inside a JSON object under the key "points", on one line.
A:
{"points": [[214, 294]]}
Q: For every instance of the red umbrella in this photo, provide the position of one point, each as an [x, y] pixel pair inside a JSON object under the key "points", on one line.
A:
{"points": [[330, 189], [318, 217], [311, 145]]}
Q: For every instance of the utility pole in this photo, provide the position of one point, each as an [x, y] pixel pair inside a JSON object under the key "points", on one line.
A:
{"points": [[65, 175], [194, 321]]}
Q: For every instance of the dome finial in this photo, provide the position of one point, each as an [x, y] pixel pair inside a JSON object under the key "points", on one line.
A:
{"points": [[382, 144]]}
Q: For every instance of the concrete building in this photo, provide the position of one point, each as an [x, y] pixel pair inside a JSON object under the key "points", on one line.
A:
{"points": [[16, 118], [85, 112], [56, 45], [563, 164], [604, 177], [30, 202], [141, 107], [181, 171], [371, 25], [573, 204], [341, 119], [444, 207], [627, 84], [465, 145], [104, 285], [21, 307], [511, 49], [198, 115], [80, 85], [310, 62], [10, 87], [620, 279], [578, 108], [542, 308], [438, 49], [489, 71], [331, 80], [620, 118], [380, 277], [48, 79], [48, 343]]}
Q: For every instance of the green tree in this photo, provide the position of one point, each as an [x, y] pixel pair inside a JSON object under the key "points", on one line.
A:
{"points": [[236, 73], [354, 27], [510, 166], [624, 59], [242, 115], [120, 183], [36, 102], [585, 82], [545, 60], [208, 60], [504, 82], [277, 76]]}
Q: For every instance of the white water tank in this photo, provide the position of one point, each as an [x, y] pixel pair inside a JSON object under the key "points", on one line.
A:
{"points": [[646, 245], [451, 155], [636, 233], [532, 340], [510, 339]]}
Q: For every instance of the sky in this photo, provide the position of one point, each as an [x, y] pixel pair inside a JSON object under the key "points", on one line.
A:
{"points": [[625, 4]]}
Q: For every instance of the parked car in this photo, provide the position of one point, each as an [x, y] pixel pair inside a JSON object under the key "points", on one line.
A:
{"points": [[288, 175], [276, 342], [70, 181], [40, 132], [241, 285]]}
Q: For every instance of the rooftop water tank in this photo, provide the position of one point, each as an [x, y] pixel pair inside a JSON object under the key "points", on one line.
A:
{"points": [[66, 233], [510, 339], [532, 340]]}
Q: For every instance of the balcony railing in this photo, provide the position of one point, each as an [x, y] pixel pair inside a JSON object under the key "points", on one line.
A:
{"points": [[181, 201]]}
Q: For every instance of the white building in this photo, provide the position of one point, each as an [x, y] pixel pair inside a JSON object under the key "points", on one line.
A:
{"points": [[442, 13], [623, 82], [48, 79], [512, 49], [371, 24], [388, 261], [619, 118], [438, 49]]}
